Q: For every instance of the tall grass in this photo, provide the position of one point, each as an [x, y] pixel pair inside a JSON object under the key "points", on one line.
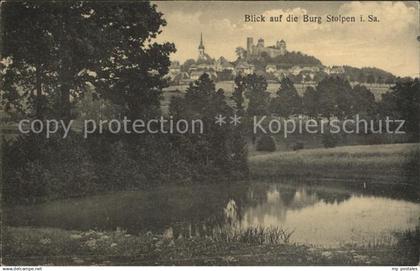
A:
{"points": [[253, 235]]}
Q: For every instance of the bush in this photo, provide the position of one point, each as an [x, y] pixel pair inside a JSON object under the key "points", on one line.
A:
{"points": [[266, 143], [298, 146], [36, 168], [329, 140]]}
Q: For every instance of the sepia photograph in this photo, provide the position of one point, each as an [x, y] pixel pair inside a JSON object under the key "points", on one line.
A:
{"points": [[209, 133]]}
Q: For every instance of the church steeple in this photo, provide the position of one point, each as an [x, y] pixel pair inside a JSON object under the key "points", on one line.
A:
{"points": [[201, 54], [201, 46]]}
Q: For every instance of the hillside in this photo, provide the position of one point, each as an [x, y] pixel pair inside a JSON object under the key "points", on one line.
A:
{"points": [[287, 60], [369, 75]]}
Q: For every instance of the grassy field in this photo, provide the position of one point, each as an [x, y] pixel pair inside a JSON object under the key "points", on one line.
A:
{"points": [[380, 163], [47, 246]]}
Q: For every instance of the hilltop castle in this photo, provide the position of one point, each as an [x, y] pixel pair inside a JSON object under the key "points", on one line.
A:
{"points": [[256, 50]]}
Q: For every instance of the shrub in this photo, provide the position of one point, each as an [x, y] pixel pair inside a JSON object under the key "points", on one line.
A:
{"points": [[411, 166], [266, 143], [298, 146], [329, 140], [36, 168]]}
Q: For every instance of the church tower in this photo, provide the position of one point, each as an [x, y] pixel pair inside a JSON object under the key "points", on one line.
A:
{"points": [[201, 54]]}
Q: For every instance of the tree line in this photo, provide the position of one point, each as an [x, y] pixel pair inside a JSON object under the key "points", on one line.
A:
{"points": [[332, 97]]}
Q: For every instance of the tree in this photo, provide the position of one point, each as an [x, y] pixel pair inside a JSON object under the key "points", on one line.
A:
{"points": [[335, 98], [266, 143], [132, 74], [288, 101], [219, 150], [55, 48], [241, 52], [187, 64], [52, 47], [370, 79], [310, 102], [225, 75], [257, 94], [238, 94], [28, 45], [53, 51], [403, 102], [363, 100]]}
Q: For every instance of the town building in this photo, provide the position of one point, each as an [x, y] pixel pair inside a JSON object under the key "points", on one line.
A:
{"points": [[334, 70], [244, 68], [270, 68], [222, 64], [174, 69]]}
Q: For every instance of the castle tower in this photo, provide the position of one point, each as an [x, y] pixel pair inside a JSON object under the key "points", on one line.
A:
{"points": [[260, 43], [201, 54], [249, 45], [282, 47]]}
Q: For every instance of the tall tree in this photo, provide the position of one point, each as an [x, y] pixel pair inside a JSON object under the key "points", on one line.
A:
{"points": [[50, 46], [55, 48], [287, 102], [335, 98], [238, 94], [363, 100], [403, 102], [241, 52], [220, 149], [257, 94], [132, 73], [310, 102]]}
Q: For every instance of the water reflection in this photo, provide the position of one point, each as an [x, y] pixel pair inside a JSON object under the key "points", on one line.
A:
{"points": [[332, 218], [319, 214]]}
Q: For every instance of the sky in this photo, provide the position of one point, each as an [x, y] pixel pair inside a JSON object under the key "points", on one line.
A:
{"points": [[390, 44]]}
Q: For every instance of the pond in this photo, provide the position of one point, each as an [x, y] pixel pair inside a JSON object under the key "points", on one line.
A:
{"points": [[319, 214]]}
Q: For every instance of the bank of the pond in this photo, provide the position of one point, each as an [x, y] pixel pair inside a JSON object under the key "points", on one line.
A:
{"points": [[47, 246], [390, 163]]}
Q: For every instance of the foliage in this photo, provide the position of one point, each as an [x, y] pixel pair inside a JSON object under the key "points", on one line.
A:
{"points": [[36, 168], [298, 146], [187, 64], [334, 95], [225, 75], [56, 53], [238, 94], [408, 244], [329, 140], [310, 102], [266, 143], [289, 59], [253, 235], [403, 103], [257, 94], [57, 49], [368, 75], [411, 166], [219, 150], [50, 46], [287, 102], [132, 75], [363, 100]]}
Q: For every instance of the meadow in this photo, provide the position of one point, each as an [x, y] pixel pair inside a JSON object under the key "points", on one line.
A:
{"points": [[397, 163]]}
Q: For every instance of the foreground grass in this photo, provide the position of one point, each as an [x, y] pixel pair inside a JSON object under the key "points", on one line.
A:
{"points": [[389, 163], [46, 246]]}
